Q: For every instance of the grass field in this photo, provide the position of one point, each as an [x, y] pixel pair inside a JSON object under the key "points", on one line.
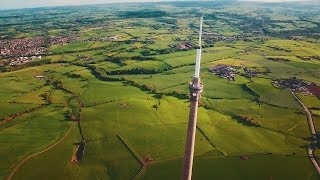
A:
{"points": [[153, 133], [121, 86], [8, 109], [233, 167], [151, 128], [271, 95], [46, 126]]}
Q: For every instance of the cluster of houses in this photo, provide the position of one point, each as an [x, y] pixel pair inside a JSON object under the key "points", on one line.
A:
{"points": [[29, 46], [225, 71], [144, 41], [213, 37], [22, 47], [296, 85], [86, 58], [61, 39], [112, 38], [249, 72], [20, 51], [40, 77], [183, 46], [229, 72], [21, 60]]}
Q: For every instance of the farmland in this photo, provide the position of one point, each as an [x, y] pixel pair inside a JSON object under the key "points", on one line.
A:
{"points": [[114, 79]]}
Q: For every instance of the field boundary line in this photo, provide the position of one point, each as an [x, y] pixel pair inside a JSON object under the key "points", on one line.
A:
{"points": [[210, 142], [29, 119], [35, 154], [142, 170], [16, 115], [294, 127], [136, 155]]}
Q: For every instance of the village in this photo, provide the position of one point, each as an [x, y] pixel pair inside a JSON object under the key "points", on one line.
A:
{"points": [[20, 51], [22, 47], [211, 37], [229, 72], [225, 71], [183, 46], [112, 38], [21, 60], [298, 85]]}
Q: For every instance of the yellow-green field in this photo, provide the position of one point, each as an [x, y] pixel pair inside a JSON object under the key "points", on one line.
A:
{"points": [[119, 86]]}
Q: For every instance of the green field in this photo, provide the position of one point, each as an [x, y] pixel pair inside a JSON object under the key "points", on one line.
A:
{"points": [[120, 82], [207, 168]]}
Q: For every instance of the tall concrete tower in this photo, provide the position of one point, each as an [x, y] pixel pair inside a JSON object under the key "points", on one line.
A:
{"points": [[195, 88]]}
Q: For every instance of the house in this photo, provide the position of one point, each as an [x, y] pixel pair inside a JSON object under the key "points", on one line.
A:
{"points": [[40, 77]]}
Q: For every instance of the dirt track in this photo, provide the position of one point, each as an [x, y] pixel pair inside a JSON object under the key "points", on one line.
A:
{"points": [[35, 154]]}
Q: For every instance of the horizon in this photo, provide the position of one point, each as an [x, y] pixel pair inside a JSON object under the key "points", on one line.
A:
{"points": [[19, 4], [173, 89]]}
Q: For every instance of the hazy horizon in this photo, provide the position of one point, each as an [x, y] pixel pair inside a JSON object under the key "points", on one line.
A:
{"points": [[20, 4]]}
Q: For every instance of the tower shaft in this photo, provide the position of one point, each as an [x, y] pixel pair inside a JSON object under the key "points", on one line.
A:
{"points": [[195, 93]]}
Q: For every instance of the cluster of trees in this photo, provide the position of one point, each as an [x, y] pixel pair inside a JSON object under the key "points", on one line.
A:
{"points": [[248, 120], [119, 60], [13, 116], [75, 109], [58, 84], [171, 21], [139, 70], [143, 87], [279, 48], [152, 89], [316, 57], [102, 74], [25, 65], [72, 75], [147, 13], [47, 97], [73, 116], [308, 32], [159, 97], [278, 59], [152, 52], [178, 94]]}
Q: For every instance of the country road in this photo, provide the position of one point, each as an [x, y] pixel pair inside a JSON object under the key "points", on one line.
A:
{"points": [[313, 147]]}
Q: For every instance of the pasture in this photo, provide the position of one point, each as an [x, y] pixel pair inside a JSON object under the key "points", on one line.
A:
{"points": [[120, 85]]}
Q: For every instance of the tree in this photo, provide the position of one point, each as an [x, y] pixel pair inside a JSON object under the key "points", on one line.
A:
{"points": [[58, 84], [47, 97]]}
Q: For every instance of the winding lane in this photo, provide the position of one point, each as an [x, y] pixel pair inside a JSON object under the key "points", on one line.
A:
{"points": [[313, 146]]}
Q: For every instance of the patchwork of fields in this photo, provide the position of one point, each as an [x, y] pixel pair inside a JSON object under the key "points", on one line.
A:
{"points": [[127, 99]]}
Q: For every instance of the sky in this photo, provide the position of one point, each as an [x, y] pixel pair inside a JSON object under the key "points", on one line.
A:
{"points": [[16, 4]]}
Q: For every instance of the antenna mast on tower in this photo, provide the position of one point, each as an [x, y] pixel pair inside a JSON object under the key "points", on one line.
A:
{"points": [[195, 88]]}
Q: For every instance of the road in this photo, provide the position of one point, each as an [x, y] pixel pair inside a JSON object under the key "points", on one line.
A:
{"points": [[312, 147]]}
